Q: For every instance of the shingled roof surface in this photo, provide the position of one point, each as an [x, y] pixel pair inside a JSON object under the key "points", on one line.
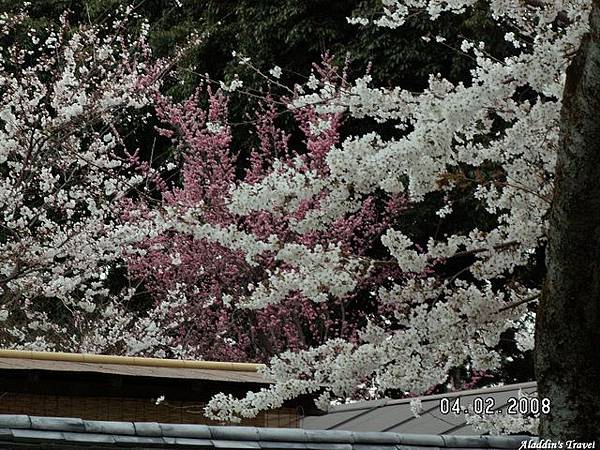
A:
{"points": [[21, 431], [397, 416]]}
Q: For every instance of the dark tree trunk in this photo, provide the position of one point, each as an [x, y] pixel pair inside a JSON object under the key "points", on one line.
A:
{"points": [[567, 352]]}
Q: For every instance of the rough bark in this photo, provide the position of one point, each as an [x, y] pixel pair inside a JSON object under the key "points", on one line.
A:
{"points": [[567, 353]]}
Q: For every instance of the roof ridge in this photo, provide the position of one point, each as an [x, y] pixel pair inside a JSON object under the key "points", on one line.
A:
{"points": [[58, 429]]}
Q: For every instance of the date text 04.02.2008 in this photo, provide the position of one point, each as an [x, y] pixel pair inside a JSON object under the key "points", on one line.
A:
{"points": [[487, 405]]}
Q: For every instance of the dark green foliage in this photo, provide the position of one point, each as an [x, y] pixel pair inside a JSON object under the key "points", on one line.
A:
{"points": [[293, 35]]}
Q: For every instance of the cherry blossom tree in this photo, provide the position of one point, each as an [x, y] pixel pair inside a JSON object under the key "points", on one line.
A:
{"points": [[506, 116], [68, 96], [207, 277]]}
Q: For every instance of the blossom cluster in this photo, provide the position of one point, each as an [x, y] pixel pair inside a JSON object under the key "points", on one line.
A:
{"points": [[254, 285], [446, 133], [67, 101]]}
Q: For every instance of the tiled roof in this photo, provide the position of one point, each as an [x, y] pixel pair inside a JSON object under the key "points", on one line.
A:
{"points": [[396, 415], [52, 432]]}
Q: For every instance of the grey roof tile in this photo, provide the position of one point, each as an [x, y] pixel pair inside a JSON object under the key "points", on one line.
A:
{"points": [[196, 443], [96, 438], [416, 447], [327, 446], [109, 427], [373, 447], [185, 431], [57, 423], [373, 437], [235, 433], [278, 445], [234, 445], [35, 435], [463, 448], [282, 434], [14, 421], [5, 433], [147, 429], [425, 440], [171, 440], [330, 436], [506, 441], [462, 441], [138, 440]]}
